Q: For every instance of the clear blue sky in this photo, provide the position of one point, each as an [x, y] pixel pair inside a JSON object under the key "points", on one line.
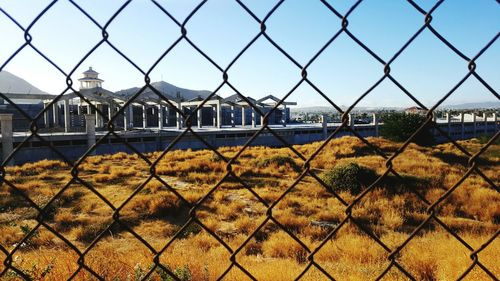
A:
{"points": [[222, 28]]}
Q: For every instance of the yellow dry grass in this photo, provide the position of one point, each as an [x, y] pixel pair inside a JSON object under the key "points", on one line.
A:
{"points": [[391, 211]]}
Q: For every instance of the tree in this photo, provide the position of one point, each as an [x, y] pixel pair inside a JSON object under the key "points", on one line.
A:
{"points": [[399, 126]]}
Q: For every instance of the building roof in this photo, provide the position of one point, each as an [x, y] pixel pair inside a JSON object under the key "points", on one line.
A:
{"points": [[237, 98], [90, 79], [275, 100], [91, 71]]}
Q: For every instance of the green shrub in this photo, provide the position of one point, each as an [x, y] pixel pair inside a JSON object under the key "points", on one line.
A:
{"points": [[399, 126], [348, 177], [278, 160]]}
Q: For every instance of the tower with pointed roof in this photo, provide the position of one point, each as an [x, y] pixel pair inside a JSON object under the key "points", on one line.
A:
{"points": [[90, 80]]}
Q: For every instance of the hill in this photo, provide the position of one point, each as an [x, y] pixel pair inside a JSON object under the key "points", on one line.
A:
{"points": [[10, 83], [474, 105], [167, 89]]}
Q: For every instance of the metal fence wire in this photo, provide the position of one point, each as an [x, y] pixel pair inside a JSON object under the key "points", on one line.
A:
{"points": [[306, 170]]}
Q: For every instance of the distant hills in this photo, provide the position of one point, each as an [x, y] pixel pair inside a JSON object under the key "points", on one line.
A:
{"points": [[10, 83], [326, 109], [472, 105], [167, 88], [462, 106]]}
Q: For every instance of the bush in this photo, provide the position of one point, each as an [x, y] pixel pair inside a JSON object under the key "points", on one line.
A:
{"points": [[348, 177], [279, 160], [399, 126]]}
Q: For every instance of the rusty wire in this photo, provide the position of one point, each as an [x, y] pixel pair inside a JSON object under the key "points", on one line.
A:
{"points": [[306, 170]]}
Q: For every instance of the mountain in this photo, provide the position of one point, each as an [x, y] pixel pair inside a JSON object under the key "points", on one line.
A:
{"points": [[474, 105], [167, 89], [10, 83]]}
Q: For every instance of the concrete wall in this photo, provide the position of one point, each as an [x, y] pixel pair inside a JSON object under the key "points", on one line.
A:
{"points": [[74, 145]]}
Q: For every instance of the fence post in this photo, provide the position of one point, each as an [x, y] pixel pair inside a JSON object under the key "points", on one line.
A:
{"points": [[7, 136], [90, 130]]}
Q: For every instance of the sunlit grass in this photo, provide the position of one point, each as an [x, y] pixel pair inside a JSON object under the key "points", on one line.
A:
{"points": [[310, 212]]}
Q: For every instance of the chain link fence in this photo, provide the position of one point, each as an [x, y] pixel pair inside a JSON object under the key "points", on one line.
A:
{"points": [[393, 252]]}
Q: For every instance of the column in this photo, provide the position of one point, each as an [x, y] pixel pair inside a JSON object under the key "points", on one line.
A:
{"points": [[233, 123], [324, 122], [283, 116], [214, 116], [219, 114], [125, 118], [128, 117], [90, 121], [178, 115], [253, 118], [160, 117], [167, 116], [448, 122], [434, 119], [7, 136], [46, 115], [110, 111], [495, 121], [243, 117], [199, 115], [485, 118], [261, 119], [351, 121], [67, 117], [131, 116], [461, 117], [55, 114], [474, 122], [375, 124], [97, 116], [144, 117]]}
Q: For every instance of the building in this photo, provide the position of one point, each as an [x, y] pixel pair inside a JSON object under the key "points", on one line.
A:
{"points": [[153, 108]]}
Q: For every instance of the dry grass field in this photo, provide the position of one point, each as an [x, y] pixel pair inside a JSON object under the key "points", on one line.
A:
{"points": [[310, 212]]}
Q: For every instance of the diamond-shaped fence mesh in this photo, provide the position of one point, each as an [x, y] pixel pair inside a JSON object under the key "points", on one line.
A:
{"points": [[117, 212]]}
